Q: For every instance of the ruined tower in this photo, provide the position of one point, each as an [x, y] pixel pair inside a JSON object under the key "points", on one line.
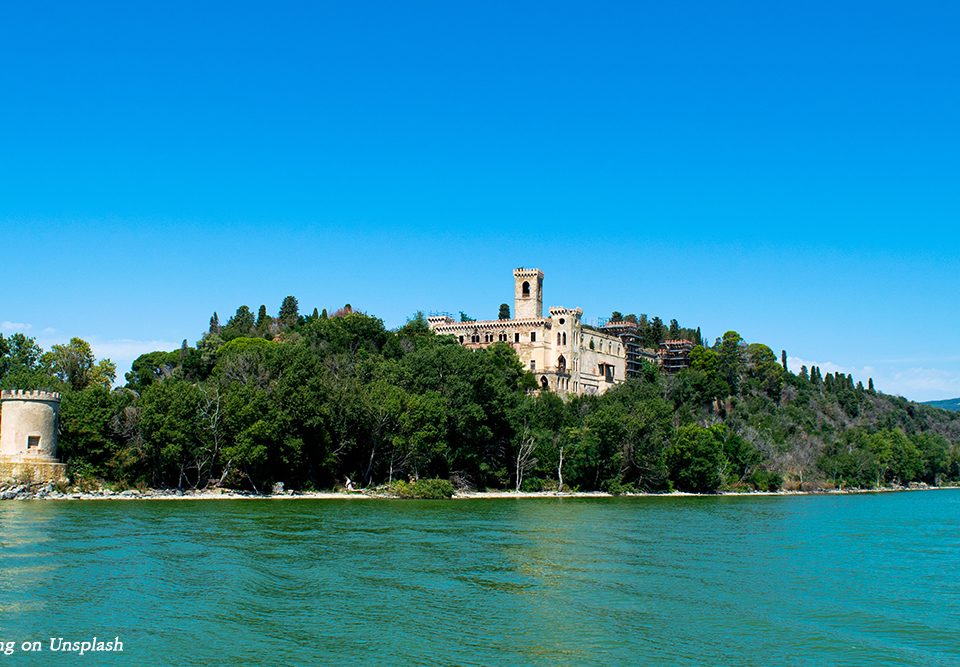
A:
{"points": [[527, 294]]}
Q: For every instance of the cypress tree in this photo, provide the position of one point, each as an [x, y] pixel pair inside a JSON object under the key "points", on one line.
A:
{"points": [[870, 387], [783, 359], [315, 315], [261, 316], [323, 314], [214, 324], [504, 312]]}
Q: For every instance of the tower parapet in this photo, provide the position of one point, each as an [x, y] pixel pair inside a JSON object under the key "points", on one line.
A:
{"points": [[29, 395]]}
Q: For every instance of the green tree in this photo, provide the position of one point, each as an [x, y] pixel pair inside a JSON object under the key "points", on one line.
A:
{"points": [[731, 359], [241, 324], [74, 364], [289, 312], [674, 333], [504, 312], [696, 459]]}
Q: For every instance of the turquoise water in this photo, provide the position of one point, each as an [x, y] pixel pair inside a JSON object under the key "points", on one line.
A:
{"points": [[871, 579]]}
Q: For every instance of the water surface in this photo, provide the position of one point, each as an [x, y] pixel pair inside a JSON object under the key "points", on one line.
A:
{"points": [[853, 580]]}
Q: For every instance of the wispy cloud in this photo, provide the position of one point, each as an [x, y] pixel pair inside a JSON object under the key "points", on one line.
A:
{"points": [[124, 350], [863, 372], [13, 327], [926, 384]]}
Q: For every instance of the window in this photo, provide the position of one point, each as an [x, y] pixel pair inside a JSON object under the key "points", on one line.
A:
{"points": [[561, 364], [461, 340], [558, 338], [544, 383], [564, 337], [33, 442], [533, 336], [526, 288], [516, 337], [533, 364]]}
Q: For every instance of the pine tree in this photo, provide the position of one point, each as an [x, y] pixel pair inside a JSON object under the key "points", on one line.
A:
{"points": [[674, 330], [214, 324], [504, 312], [289, 311], [261, 316], [699, 338], [315, 315], [870, 387], [323, 314]]}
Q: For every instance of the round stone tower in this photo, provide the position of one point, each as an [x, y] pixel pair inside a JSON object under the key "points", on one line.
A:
{"points": [[28, 425]]}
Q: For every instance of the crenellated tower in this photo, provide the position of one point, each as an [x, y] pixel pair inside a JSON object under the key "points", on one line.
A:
{"points": [[527, 294], [28, 425]]}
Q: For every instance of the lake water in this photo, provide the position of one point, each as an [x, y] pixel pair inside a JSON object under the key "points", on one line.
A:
{"points": [[870, 579]]}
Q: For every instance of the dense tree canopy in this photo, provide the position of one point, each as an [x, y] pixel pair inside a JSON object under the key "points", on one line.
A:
{"points": [[309, 401]]}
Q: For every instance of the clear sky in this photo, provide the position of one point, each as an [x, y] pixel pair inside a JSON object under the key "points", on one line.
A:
{"points": [[788, 170]]}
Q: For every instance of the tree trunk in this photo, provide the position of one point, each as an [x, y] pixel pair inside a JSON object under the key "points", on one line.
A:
{"points": [[560, 471]]}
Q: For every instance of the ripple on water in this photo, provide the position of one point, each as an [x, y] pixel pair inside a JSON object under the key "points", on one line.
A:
{"points": [[838, 580]]}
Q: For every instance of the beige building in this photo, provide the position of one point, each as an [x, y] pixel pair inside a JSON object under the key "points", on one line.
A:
{"points": [[565, 355], [28, 435]]}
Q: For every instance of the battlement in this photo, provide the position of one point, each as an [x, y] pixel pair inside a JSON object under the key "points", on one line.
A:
{"points": [[521, 272], [29, 395], [573, 312]]}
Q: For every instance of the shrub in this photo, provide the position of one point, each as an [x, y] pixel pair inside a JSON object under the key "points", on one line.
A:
{"points": [[764, 480], [422, 489], [617, 488]]}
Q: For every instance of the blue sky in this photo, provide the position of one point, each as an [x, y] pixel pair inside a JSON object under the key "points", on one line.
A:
{"points": [[791, 172]]}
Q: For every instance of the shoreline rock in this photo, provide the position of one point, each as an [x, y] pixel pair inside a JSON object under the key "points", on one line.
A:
{"points": [[49, 492]]}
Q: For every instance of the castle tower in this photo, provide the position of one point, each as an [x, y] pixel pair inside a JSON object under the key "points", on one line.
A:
{"points": [[527, 294], [28, 425]]}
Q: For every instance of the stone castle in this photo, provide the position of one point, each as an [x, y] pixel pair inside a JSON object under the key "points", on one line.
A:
{"points": [[28, 436], [565, 355]]}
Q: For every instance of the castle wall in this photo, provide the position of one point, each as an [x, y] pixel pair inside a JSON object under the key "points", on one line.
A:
{"points": [[28, 425]]}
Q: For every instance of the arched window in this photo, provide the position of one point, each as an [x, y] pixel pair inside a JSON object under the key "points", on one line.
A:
{"points": [[526, 288], [561, 364], [544, 383], [564, 337], [558, 338]]}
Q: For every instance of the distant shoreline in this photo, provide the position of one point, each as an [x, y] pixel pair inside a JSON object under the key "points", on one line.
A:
{"points": [[225, 494]]}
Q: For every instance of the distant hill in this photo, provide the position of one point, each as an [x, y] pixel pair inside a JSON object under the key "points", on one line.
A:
{"points": [[947, 404]]}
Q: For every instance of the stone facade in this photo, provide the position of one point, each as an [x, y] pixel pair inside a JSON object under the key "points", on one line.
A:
{"points": [[28, 435], [565, 355]]}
